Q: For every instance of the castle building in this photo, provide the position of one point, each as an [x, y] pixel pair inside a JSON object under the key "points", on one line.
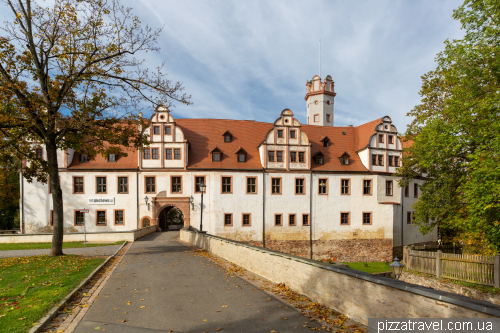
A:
{"points": [[284, 185]]}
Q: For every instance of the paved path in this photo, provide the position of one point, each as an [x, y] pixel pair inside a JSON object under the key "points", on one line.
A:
{"points": [[85, 251], [162, 285]]}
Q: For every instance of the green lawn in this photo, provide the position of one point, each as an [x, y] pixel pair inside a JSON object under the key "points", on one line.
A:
{"points": [[370, 267], [30, 286], [32, 246]]}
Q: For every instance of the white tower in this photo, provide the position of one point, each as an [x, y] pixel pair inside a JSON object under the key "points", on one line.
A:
{"points": [[319, 98]]}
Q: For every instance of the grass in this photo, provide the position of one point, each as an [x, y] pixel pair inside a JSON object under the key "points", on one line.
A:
{"points": [[30, 286], [35, 246], [370, 267]]}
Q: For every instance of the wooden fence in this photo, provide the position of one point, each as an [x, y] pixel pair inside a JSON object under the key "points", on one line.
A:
{"points": [[483, 270], [454, 249]]}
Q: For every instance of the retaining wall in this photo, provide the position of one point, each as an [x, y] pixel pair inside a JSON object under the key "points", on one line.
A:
{"points": [[355, 294], [112, 236]]}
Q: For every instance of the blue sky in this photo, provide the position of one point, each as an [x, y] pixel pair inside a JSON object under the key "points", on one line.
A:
{"points": [[251, 59]]}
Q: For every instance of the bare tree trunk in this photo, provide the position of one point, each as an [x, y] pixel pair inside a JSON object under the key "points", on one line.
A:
{"points": [[57, 200]]}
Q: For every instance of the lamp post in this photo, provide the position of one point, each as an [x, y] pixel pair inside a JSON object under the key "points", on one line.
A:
{"points": [[397, 268], [203, 187], [146, 199]]}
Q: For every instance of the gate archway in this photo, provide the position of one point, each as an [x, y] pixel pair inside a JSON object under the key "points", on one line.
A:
{"points": [[161, 202], [170, 218]]}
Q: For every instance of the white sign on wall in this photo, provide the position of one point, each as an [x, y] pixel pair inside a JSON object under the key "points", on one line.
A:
{"points": [[102, 201]]}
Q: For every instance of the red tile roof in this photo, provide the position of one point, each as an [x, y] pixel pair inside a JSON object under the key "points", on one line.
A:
{"points": [[364, 132], [99, 162]]}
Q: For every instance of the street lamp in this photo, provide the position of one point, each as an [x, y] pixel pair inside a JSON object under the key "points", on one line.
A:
{"points": [[397, 268], [203, 187], [146, 199]]}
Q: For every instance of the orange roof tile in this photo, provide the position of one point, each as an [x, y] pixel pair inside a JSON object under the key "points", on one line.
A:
{"points": [[99, 162], [364, 132]]}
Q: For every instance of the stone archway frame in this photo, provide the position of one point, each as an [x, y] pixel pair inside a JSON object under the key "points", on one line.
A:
{"points": [[146, 217], [160, 202]]}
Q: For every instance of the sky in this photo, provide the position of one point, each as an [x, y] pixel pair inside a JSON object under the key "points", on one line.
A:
{"points": [[251, 59]]}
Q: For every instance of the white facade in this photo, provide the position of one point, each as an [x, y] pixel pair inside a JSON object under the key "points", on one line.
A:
{"points": [[288, 161]]}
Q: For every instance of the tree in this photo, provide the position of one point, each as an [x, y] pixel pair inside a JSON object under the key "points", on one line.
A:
{"points": [[70, 75], [455, 133]]}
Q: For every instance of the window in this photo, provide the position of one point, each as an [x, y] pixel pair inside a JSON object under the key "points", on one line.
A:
{"points": [[83, 158], [275, 185], [168, 130], [391, 139], [156, 129], [270, 155], [122, 184], [227, 138], [293, 156], [168, 153], [328, 117], [415, 190], [197, 182], [316, 118], [407, 190], [396, 161], [408, 218], [39, 153], [279, 156], [155, 153], [78, 185], [111, 158], [246, 220], [305, 219], [280, 133], [345, 218], [146, 154], [299, 186], [278, 219], [241, 157], [251, 185], [100, 216], [291, 219], [216, 157], [367, 187], [323, 186], [226, 185], [292, 134], [150, 184], [228, 219], [176, 184], [301, 157], [380, 159], [380, 138], [100, 185], [388, 187], [319, 160], [391, 160], [325, 143], [344, 186], [374, 159], [367, 218], [79, 218], [119, 216], [177, 154], [345, 161]]}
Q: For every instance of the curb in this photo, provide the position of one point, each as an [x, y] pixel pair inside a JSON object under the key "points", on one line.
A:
{"points": [[53, 312]]}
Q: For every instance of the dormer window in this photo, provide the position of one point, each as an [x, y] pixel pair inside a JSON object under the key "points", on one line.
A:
{"points": [[156, 129], [83, 159], [168, 130], [216, 157], [391, 139], [228, 137], [280, 133], [319, 160], [344, 158], [325, 141], [241, 155], [293, 134], [380, 138], [111, 158]]}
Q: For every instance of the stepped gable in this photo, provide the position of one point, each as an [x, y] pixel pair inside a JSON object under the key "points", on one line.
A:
{"points": [[338, 145], [131, 161], [204, 135], [364, 133]]}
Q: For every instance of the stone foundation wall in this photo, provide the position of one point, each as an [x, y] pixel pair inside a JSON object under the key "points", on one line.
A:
{"points": [[443, 285], [337, 250]]}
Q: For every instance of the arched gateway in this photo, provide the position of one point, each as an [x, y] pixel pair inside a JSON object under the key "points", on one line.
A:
{"points": [[161, 205]]}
